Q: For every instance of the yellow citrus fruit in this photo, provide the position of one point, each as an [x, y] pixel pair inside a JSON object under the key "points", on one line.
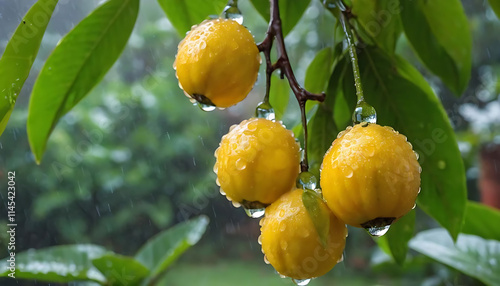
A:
{"points": [[217, 62], [291, 243], [257, 161], [370, 176]]}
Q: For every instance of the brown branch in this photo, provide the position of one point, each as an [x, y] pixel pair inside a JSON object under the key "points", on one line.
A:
{"points": [[275, 32]]}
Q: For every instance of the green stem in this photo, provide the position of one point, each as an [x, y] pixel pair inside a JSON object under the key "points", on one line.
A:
{"points": [[352, 49]]}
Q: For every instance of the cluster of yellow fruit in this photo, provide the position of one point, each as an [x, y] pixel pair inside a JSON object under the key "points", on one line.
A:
{"points": [[370, 176]]}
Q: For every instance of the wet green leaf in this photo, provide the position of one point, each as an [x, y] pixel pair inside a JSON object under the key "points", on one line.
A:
{"points": [[19, 55], [163, 249], [439, 33], [59, 264], [279, 95], [319, 216], [120, 270], [290, 11], [76, 65], [379, 20], [185, 13], [482, 220], [396, 239], [405, 101], [472, 255]]}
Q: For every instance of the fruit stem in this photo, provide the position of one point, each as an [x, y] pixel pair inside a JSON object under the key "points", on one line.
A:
{"points": [[275, 31], [340, 12]]}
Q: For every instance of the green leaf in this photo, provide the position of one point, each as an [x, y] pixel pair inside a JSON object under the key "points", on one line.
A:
{"points": [[472, 255], [290, 11], [77, 64], [482, 220], [405, 101], [59, 264], [439, 33], [319, 70], [185, 13], [319, 216], [343, 102], [19, 55], [163, 249], [321, 133], [120, 270], [379, 20], [279, 95], [495, 5], [398, 236]]}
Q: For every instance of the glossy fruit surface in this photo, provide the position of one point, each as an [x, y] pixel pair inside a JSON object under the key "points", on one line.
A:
{"points": [[257, 162], [370, 176], [291, 242], [217, 62]]}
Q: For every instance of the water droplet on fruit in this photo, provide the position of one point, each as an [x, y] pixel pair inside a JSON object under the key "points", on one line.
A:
{"points": [[252, 126], [232, 12], [282, 213], [241, 164], [266, 260], [416, 155], [284, 244], [266, 136], [349, 173], [341, 259], [414, 206], [282, 226], [265, 110], [259, 240], [364, 113], [307, 181], [206, 107], [202, 45], [305, 233], [235, 204], [370, 150], [378, 230], [221, 191], [255, 213], [301, 282]]}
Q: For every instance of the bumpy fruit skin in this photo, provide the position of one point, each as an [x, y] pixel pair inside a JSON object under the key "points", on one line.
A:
{"points": [[370, 176], [257, 161], [218, 60], [291, 243]]}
